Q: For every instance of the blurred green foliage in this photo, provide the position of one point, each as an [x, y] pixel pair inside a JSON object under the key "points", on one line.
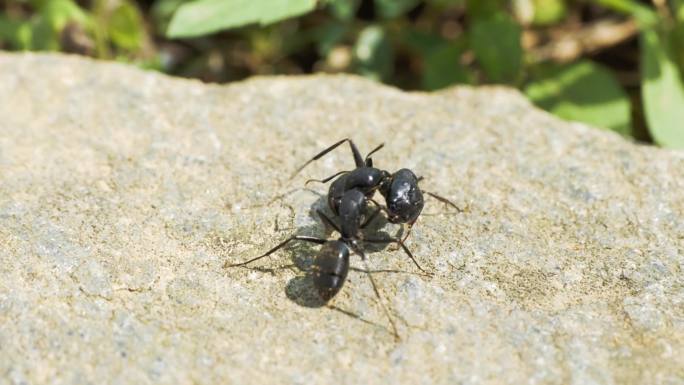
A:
{"points": [[495, 40], [583, 91], [206, 16], [633, 86], [662, 90]]}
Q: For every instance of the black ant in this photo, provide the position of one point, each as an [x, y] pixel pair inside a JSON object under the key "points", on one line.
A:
{"points": [[403, 198], [348, 198]]}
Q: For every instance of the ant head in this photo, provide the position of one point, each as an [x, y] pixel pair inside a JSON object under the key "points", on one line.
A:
{"points": [[403, 197]]}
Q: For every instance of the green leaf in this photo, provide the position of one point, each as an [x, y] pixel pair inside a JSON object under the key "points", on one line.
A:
{"points": [[162, 11], [36, 4], [421, 42], [126, 27], [479, 9], [548, 12], [24, 36], [153, 63], [9, 30], [343, 9], [373, 53], [677, 37], [662, 91], [43, 36], [443, 68], [388, 9], [60, 12], [441, 58], [446, 3], [203, 17], [43, 31], [678, 10], [644, 15], [328, 35], [496, 43], [584, 91]]}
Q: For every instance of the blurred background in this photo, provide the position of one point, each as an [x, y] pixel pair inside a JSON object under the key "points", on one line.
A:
{"points": [[615, 64]]}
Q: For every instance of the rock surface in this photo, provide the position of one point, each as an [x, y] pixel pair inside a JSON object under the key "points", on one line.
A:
{"points": [[123, 193]]}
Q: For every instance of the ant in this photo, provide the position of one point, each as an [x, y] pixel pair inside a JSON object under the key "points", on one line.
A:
{"points": [[403, 198], [348, 198]]}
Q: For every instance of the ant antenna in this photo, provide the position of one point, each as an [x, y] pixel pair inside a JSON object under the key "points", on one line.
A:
{"points": [[355, 151], [382, 303], [444, 200], [400, 243], [368, 161], [326, 180]]}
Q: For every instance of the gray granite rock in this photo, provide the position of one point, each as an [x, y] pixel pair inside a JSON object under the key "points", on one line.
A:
{"points": [[123, 193]]}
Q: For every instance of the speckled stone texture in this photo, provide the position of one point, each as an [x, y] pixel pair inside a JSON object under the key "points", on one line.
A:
{"points": [[123, 193]]}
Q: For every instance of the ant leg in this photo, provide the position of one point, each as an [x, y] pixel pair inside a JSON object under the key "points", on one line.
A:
{"points": [[400, 243], [358, 160], [381, 207], [408, 232], [377, 294], [354, 315], [280, 245], [444, 200], [392, 271], [370, 218], [441, 198], [382, 303], [326, 180], [368, 161], [328, 221]]}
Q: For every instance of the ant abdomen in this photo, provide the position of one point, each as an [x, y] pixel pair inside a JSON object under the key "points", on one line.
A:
{"points": [[330, 269]]}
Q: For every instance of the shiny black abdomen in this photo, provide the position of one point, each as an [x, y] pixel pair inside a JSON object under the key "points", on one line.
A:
{"points": [[330, 268]]}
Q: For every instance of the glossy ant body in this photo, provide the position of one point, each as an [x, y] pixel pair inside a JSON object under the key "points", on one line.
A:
{"points": [[348, 198]]}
